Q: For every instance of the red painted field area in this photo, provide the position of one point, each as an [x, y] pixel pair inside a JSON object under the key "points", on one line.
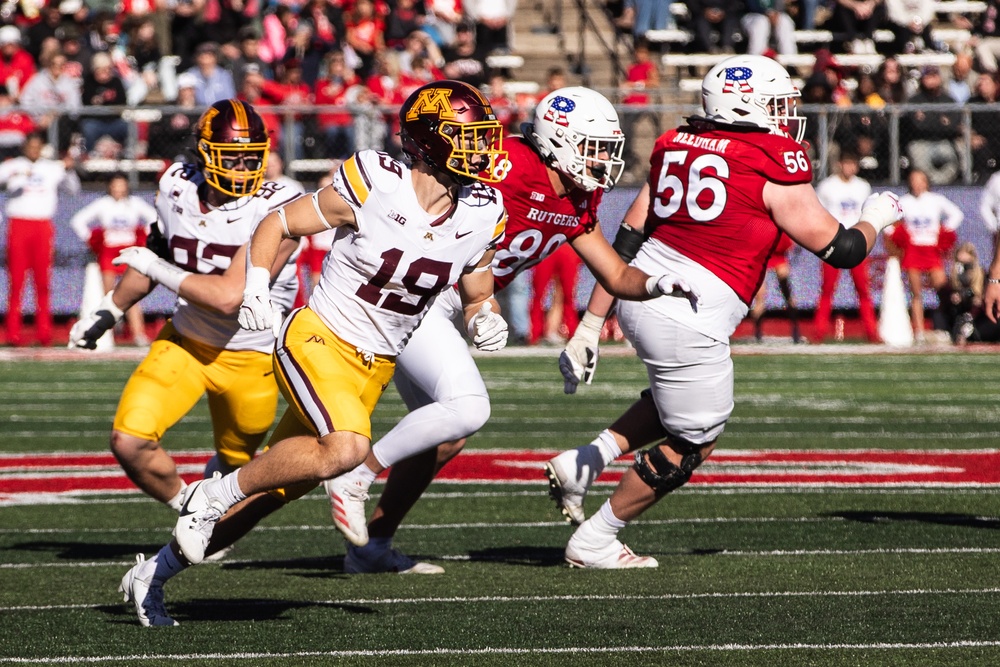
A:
{"points": [[24, 477]]}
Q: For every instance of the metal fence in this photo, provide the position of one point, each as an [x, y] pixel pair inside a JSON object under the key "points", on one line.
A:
{"points": [[954, 144]]}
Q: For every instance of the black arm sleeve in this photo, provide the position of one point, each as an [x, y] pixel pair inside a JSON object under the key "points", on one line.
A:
{"points": [[847, 249], [627, 242]]}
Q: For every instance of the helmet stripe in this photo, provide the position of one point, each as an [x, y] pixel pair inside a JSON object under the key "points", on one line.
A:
{"points": [[241, 115]]}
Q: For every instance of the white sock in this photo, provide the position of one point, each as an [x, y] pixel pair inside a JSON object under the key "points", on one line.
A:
{"points": [[608, 446], [601, 529], [166, 565], [178, 500], [364, 476], [226, 489]]}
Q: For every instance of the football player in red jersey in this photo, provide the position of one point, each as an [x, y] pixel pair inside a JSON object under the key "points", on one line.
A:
{"points": [[557, 172], [721, 190]]}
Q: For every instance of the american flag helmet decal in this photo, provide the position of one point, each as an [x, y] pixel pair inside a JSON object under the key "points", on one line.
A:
{"points": [[738, 80]]}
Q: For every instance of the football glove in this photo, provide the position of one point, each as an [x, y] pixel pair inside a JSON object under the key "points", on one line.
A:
{"points": [[672, 285], [578, 361], [88, 330], [148, 264], [488, 330], [157, 242], [881, 210], [257, 312]]}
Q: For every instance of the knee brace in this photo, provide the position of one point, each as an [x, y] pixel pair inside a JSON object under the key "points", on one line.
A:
{"points": [[660, 474]]}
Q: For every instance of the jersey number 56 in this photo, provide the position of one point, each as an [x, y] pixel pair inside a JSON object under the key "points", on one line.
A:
{"points": [[704, 195]]}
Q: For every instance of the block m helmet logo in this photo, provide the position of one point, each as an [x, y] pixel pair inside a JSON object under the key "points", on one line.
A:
{"points": [[434, 101]]}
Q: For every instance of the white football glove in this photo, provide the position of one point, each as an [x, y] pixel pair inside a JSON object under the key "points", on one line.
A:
{"points": [[578, 361], [137, 257], [881, 210], [257, 312], [149, 264], [488, 330], [88, 329], [672, 285]]}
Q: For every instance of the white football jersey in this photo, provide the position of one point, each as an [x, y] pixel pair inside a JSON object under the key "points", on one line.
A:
{"points": [[844, 199], [203, 240], [924, 216], [378, 280]]}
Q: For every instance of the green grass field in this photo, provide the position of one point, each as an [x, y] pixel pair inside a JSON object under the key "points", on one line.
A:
{"points": [[776, 576]]}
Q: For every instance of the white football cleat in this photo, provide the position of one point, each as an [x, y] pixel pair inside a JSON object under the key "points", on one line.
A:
{"points": [[218, 555], [568, 484], [363, 561], [147, 598], [616, 556], [196, 520], [347, 507]]}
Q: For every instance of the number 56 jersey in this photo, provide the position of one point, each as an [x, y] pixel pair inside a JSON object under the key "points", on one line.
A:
{"points": [[204, 240], [706, 198], [378, 280]]}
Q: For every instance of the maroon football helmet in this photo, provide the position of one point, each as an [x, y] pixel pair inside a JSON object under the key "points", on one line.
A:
{"points": [[450, 126], [232, 147]]}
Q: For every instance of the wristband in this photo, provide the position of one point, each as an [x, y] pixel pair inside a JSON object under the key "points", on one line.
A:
{"points": [[108, 304], [258, 279], [167, 274], [653, 287], [993, 281]]}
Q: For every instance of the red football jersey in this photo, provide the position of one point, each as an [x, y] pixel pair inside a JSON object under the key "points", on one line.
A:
{"points": [[538, 220], [706, 198]]}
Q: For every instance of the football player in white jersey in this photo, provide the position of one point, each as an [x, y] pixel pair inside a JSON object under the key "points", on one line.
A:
{"points": [[206, 212], [569, 156], [404, 234]]}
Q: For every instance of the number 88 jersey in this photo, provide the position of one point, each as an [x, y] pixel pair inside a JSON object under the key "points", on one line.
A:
{"points": [[706, 198]]}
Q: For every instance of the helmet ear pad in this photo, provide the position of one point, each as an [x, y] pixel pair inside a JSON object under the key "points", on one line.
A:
{"points": [[450, 126], [232, 148], [577, 131]]}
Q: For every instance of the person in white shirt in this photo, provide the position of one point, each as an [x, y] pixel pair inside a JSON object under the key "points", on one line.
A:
{"points": [[33, 184], [843, 195], [923, 237], [110, 224]]}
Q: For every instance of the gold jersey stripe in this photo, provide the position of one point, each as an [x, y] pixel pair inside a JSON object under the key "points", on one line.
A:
{"points": [[355, 180]]}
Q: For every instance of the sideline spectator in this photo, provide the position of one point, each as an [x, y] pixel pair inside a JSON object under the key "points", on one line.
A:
{"points": [[442, 20], [963, 79], [779, 264], [561, 269], [924, 235], [891, 81], [641, 79], [103, 88], [32, 183], [931, 134], [405, 20], [48, 27], [16, 64], [290, 90], [986, 36], [843, 195], [110, 224], [214, 82], [278, 26], [961, 311], [646, 15], [419, 44]]}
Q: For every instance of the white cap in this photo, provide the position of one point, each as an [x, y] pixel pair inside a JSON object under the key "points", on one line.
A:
{"points": [[70, 6], [10, 34], [187, 80]]}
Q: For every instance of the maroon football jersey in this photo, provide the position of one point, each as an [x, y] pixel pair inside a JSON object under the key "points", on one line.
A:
{"points": [[706, 198], [538, 220]]}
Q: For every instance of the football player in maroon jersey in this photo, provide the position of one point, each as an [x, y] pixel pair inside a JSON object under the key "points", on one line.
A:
{"points": [[721, 190], [557, 172]]}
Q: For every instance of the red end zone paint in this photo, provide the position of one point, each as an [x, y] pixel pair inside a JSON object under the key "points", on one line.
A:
{"points": [[99, 473]]}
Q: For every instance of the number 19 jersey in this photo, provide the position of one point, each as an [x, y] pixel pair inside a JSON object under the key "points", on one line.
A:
{"points": [[378, 280]]}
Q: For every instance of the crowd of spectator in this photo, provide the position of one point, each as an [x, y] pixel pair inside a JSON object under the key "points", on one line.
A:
{"points": [[64, 61]]}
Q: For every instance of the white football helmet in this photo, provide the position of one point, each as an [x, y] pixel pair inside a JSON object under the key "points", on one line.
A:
{"points": [[576, 128], [753, 90]]}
